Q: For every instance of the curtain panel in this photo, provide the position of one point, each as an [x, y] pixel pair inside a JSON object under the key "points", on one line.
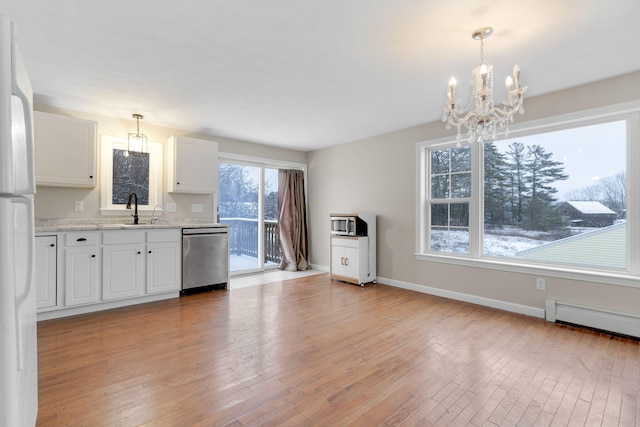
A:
{"points": [[292, 220]]}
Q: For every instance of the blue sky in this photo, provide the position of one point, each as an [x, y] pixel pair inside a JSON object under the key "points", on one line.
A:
{"points": [[588, 153]]}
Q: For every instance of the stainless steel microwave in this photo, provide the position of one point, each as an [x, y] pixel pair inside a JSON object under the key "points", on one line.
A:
{"points": [[348, 225]]}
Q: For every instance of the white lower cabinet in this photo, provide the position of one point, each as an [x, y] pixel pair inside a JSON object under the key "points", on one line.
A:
{"points": [[105, 269], [345, 259], [82, 263], [122, 271], [352, 260], [164, 261], [122, 264], [46, 271]]}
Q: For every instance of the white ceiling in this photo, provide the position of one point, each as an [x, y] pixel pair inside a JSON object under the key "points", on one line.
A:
{"points": [[306, 74]]}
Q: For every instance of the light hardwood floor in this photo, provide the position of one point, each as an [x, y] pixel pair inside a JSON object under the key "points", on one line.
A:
{"points": [[311, 352]]}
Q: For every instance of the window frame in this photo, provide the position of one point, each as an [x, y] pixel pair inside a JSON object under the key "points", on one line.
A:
{"points": [[262, 164], [451, 199], [107, 145], [629, 112]]}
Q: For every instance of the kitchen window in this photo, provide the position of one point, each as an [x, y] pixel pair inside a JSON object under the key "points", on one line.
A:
{"points": [[558, 196], [122, 174]]}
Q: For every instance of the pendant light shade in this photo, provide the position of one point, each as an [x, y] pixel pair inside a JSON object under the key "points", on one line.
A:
{"points": [[137, 142]]}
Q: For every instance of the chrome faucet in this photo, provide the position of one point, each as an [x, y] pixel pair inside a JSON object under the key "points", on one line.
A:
{"points": [[135, 214], [154, 218]]}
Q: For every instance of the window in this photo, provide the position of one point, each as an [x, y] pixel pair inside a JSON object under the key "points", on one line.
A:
{"points": [[123, 174], [450, 191], [547, 195], [555, 196]]}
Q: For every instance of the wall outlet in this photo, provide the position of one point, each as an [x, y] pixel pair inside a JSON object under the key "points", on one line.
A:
{"points": [[79, 207], [171, 207], [541, 284], [197, 207]]}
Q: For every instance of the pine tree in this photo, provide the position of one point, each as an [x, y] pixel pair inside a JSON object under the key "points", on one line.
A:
{"points": [[541, 172], [495, 186], [517, 185]]}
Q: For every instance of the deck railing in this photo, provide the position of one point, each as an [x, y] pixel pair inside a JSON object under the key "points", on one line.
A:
{"points": [[243, 238]]}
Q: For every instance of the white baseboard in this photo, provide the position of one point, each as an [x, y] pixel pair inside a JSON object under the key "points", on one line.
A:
{"points": [[459, 296], [320, 267], [90, 308]]}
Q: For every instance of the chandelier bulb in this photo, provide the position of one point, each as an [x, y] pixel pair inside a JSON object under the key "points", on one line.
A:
{"points": [[509, 83]]}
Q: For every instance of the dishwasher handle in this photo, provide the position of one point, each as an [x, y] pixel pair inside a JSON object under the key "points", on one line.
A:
{"points": [[212, 230]]}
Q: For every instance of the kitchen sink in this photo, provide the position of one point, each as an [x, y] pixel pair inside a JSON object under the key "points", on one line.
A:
{"points": [[125, 226]]}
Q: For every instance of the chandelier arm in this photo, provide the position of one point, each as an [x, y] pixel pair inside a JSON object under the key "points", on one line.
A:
{"points": [[458, 120]]}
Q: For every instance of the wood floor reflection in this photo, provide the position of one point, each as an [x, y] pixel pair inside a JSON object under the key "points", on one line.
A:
{"points": [[312, 352]]}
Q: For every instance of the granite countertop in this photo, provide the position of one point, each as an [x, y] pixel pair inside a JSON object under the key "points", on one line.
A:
{"points": [[61, 225]]}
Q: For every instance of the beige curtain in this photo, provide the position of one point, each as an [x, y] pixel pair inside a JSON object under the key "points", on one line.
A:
{"points": [[292, 220]]}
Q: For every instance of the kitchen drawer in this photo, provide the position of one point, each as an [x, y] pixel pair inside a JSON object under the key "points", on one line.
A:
{"points": [[122, 236], [169, 235], [348, 242], [82, 238]]}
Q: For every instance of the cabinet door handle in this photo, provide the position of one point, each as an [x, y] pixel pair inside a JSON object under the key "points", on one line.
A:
{"points": [[81, 239], [346, 261], [52, 245], [91, 176], [341, 260], [93, 256], [177, 183], [149, 251], [139, 252]]}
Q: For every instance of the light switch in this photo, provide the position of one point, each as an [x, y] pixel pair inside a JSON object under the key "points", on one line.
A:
{"points": [[79, 206], [197, 207], [171, 207]]}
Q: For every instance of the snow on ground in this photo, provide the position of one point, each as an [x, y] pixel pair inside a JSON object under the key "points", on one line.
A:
{"points": [[506, 242], [495, 245]]}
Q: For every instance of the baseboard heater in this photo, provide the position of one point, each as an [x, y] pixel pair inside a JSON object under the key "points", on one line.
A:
{"points": [[618, 323]]}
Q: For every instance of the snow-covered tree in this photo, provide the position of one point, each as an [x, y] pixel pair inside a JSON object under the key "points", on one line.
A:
{"points": [[238, 193]]}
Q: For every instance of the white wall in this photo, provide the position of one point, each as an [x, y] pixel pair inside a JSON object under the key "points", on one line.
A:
{"points": [[55, 203], [378, 175]]}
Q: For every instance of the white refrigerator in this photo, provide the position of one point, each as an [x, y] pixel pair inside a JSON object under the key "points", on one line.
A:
{"points": [[18, 339]]}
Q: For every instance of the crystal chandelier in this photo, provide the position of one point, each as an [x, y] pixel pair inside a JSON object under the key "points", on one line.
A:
{"points": [[481, 119], [137, 142]]}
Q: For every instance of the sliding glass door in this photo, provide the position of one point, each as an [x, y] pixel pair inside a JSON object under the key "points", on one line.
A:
{"points": [[249, 204]]}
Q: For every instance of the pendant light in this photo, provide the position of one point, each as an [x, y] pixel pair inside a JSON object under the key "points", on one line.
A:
{"points": [[137, 142]]}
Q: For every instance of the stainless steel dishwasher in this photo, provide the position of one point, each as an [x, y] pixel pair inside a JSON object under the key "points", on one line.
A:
{"points": [[205, 259]]}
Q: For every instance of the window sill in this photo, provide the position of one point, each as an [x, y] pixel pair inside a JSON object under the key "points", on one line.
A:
{"points": [[621, 278]]}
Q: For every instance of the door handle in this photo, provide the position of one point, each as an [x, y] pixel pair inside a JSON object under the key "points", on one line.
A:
{"points": [[81, 239]]}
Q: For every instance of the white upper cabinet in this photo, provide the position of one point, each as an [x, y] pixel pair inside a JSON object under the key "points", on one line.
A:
{"points": [[65, 151], [192, 165]]}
